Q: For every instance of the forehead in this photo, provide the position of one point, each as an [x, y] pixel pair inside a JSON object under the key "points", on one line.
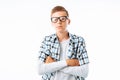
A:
{"points": [[59, 13]]}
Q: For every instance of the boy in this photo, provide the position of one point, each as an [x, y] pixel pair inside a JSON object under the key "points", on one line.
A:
{"points": [[63, 56]]}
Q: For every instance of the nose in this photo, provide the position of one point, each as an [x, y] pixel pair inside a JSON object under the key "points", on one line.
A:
{"points": [[59, 21]]}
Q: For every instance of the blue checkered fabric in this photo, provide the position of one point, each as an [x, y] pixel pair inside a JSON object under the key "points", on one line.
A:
{"points": [[50, 47]]}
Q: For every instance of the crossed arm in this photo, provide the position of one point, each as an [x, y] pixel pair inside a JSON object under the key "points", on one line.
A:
{"points": [[70, 62], [69, 66]]}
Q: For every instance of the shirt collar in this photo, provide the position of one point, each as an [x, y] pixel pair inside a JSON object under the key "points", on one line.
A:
{"points": [[54, 36]]}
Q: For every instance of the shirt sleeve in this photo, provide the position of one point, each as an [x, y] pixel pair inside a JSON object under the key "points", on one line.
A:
{"points": [[82, 52], [51, 67], [81, 71]]}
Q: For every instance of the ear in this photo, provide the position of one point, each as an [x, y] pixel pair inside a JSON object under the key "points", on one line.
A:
{"points": [[68, 21]]}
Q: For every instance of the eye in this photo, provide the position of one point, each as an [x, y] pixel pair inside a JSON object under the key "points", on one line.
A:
{"points": [[54, 19], [62, 18]]}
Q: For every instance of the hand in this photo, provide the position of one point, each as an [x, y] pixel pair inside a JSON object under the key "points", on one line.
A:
{"points": [[49, 60], [72, 62]]}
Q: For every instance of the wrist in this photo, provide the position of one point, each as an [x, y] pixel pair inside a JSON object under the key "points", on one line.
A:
{"points": [[67, 62]]}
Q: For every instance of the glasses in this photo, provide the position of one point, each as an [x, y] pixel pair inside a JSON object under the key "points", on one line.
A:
{"points": [[61, 18]]}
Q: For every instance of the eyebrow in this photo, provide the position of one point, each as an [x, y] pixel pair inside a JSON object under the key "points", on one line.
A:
{"points": [[59, 16]]}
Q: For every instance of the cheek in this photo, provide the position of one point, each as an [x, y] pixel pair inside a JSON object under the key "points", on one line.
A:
{"points": [[65, 24], [52, 24]]}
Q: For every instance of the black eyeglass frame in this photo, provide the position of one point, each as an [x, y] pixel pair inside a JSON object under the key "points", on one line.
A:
{"points": [[66, 17]]}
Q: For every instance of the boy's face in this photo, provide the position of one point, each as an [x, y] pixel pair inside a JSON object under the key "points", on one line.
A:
{"points": [[60, 21]]}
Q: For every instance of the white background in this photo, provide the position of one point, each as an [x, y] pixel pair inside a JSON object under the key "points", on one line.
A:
{"points": [[24, 23]]}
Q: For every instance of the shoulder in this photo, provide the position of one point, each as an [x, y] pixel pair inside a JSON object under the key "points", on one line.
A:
{"points": [[77, 37], [49, 37]]}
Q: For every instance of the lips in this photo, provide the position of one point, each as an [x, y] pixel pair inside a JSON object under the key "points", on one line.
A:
{"points": [[59, 26]]}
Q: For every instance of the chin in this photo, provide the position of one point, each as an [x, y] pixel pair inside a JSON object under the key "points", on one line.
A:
{"points": [[60, 31]]}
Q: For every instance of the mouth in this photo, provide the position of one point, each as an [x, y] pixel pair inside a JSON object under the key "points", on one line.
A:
{"points": [[59, 27]]}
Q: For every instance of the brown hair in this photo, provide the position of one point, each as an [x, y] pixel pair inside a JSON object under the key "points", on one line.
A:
{"points": [[59, 8]]}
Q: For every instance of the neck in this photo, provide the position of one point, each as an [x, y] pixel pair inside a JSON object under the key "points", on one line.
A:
{"points": [[62, 36]]}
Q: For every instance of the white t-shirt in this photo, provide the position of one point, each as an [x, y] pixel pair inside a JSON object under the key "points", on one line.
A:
{"points": [[63, 51]]}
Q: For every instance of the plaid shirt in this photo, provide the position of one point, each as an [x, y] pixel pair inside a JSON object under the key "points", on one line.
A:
{"points": [[50, 47]]}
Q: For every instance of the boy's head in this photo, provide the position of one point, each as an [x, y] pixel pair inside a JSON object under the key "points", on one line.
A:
{"points": [[60, 18], [59, 8]]}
